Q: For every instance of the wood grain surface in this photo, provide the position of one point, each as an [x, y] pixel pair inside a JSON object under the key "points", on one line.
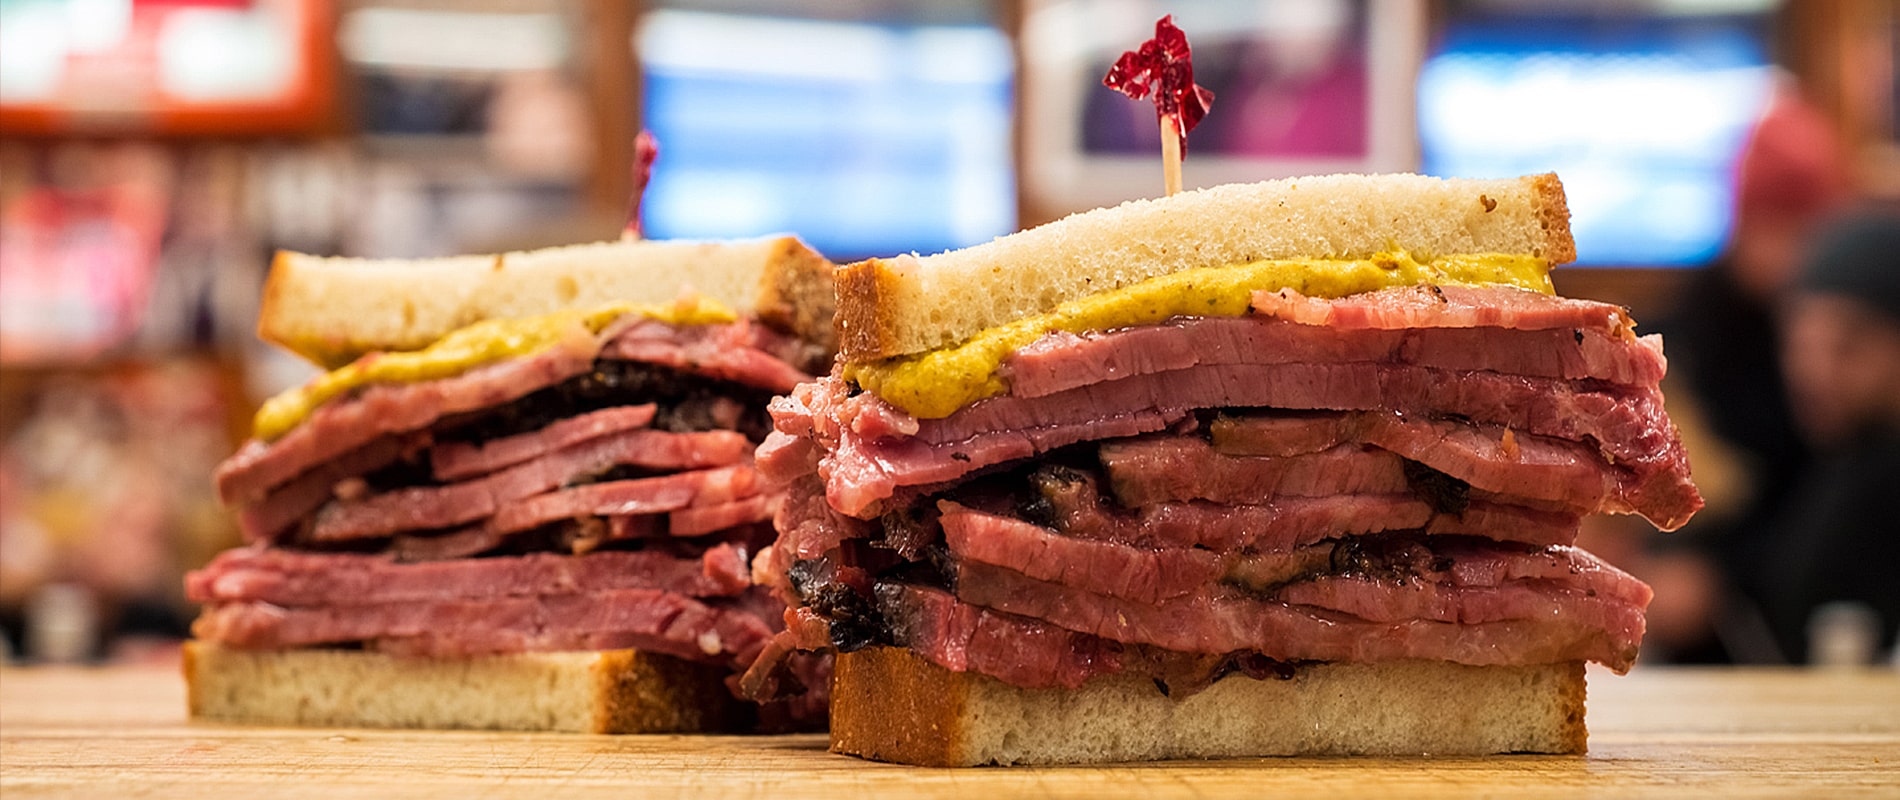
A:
{"points": [[121, 732]]}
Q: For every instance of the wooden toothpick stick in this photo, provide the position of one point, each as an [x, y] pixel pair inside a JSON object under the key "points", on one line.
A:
{"points": [[646, 150], [1170, 155]]}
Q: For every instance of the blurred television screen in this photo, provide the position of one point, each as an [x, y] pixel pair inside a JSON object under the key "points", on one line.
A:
{"points": [[1643, 117], [865, 139]]}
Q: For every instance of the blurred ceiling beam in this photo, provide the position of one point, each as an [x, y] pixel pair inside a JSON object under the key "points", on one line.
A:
{"points": [[613, 98], [1843, 52]]}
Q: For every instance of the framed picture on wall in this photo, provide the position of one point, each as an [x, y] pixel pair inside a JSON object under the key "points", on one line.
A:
{"points": [[1300, 87], [181, 67]]}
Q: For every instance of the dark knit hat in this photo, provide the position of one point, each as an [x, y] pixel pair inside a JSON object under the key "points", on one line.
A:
{"points": [[1858, 255]]}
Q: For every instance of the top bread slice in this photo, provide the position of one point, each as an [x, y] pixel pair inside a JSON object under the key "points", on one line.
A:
{"points": [[331, 310], [911, 304]]}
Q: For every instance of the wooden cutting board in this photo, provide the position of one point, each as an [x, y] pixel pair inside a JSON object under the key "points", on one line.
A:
{"points": [[121, 732]]}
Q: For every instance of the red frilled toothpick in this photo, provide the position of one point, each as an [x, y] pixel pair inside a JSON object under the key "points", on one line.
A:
{"points": [[1163, 65], [646, 150]]}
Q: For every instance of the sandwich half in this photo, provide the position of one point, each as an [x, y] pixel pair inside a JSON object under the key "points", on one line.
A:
{"points": [[524, 498], [1285, 468]]}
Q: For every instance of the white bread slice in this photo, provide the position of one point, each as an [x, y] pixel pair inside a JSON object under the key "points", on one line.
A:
{"points": [[612, 691], [331, 310], [889, 704], [910, 304]]}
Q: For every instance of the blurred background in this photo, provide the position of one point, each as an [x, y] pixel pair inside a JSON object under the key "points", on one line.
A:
{"points": [[153, 153]]}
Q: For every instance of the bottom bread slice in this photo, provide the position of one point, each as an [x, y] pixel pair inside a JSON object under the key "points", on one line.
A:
{"points": [[891, 705], [610, 691]]}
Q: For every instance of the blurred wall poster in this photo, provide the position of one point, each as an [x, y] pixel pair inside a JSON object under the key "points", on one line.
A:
{"points": [[1300, 87], [80, 232]]}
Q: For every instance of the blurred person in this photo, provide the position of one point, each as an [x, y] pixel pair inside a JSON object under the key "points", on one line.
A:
{"points": [[1836, 540], [1299, 87], [1727, 391]]}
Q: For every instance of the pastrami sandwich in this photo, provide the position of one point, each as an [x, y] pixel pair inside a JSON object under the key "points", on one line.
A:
{"points": [[524, 499], [1284, 468]]}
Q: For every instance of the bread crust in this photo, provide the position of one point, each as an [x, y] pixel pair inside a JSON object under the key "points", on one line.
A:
{"points": [[796, 294], [1553, 216], [648, 693], [611, 691], [868, 328], [889, 704]]}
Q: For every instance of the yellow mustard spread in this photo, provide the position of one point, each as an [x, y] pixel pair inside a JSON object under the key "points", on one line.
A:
{"points": [[935, 384], [464, 349]]}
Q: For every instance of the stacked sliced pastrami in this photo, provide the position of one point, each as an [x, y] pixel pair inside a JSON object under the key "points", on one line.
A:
{"points": [[1398, 474], [596, 495]]}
